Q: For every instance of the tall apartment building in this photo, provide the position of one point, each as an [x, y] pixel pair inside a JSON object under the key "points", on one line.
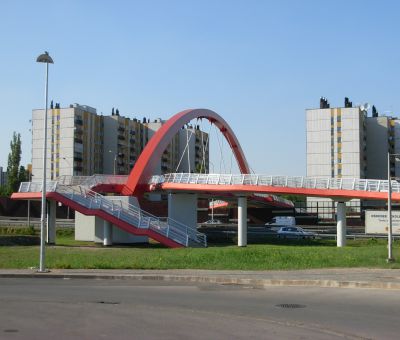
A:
{"points": [[74, 141], [336, 142], [188, 151], [343, 142], [194, 150], [82, 143], [123, 141], [3, 177]]}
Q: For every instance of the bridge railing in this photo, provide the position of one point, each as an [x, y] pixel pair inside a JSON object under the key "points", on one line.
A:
{"points": [[92, 181], [357, 184], [172, 229], [36, 186]]}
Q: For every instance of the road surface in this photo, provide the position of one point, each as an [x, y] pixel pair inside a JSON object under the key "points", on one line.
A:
{"points": [[125, 309]]}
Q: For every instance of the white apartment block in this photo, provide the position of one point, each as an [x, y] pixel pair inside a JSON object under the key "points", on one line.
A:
{"points": [[82, 143], [335, 143], [74, 144], [343, 142]]}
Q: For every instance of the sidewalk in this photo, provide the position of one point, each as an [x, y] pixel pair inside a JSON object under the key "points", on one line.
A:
{"points": [[337, 278]]}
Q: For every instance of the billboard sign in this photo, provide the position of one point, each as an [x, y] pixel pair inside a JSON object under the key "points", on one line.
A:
{"points": [[376, 222]]}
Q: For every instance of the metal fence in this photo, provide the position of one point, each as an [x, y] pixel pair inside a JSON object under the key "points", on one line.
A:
{"points": [[358, 184]]}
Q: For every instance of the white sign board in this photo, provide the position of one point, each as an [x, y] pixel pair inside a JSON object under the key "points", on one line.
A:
{"points": [[376, 222]]}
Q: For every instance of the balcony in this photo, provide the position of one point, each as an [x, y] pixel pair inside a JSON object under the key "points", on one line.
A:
{"points": [[78, 121]]}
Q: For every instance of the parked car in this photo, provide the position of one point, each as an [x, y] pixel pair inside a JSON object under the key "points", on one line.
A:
{"points": [[295, 232], [213, 222]]}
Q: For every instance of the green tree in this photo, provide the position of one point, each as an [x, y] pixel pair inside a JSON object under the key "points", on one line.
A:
{"points": [[15, 172], [200, 169]]}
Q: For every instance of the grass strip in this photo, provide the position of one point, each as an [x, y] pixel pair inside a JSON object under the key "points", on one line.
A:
{"points": [[275, 255]]}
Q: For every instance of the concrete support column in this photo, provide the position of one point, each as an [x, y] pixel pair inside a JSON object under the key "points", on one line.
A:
{"points": [[341, 224], [242, 221], [107, 233], [183, 208], [51, 222]]}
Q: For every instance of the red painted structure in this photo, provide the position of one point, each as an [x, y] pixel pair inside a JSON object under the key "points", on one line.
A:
{"points": [[335, 194], [147, 162], [150, 156]]}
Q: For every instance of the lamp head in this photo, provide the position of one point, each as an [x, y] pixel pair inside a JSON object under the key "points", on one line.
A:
{"points": [[45, 58]]}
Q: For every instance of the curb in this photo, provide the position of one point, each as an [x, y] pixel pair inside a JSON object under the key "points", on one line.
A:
{"points": [[261, 283]]}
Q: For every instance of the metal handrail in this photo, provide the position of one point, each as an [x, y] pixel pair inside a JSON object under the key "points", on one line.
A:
{"points": [[358, 184], [92, 181], [129, 213]]}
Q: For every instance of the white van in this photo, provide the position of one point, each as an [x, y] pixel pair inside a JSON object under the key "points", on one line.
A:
{"points": [[281, 221]]}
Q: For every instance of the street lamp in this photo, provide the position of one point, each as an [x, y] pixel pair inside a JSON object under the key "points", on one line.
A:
{"points": [[69, 164], [29, 202], [390, 255], [115, 161], [44, 58], [212, 199]]}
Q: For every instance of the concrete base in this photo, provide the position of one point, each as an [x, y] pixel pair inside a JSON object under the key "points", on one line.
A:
{"points": [[183, 208], [91, 228]]}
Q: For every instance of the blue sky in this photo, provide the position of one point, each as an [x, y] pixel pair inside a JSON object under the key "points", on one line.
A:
{"points": [[259, 64]]}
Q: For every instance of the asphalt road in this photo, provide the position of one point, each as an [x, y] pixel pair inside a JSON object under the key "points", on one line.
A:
{"points": [[123, 309]]}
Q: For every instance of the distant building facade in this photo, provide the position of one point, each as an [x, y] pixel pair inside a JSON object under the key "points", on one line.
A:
{"points": [[3, 177], [343, 142], [82, 143]]}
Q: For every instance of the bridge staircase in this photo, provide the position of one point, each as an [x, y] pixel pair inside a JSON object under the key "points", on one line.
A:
{"points": [[125, 216]]}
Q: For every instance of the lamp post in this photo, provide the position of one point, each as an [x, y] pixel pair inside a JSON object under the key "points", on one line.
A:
{"points": [[390, 237], [115, 161], [29, 203], [212, 199], [69, 164], [44, 58]]}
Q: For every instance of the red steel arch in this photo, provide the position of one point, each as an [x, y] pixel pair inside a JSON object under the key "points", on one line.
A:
{"points": [[151, 154]]}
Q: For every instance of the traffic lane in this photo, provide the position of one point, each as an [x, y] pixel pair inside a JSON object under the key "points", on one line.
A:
{"points": [[122, 308]]}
